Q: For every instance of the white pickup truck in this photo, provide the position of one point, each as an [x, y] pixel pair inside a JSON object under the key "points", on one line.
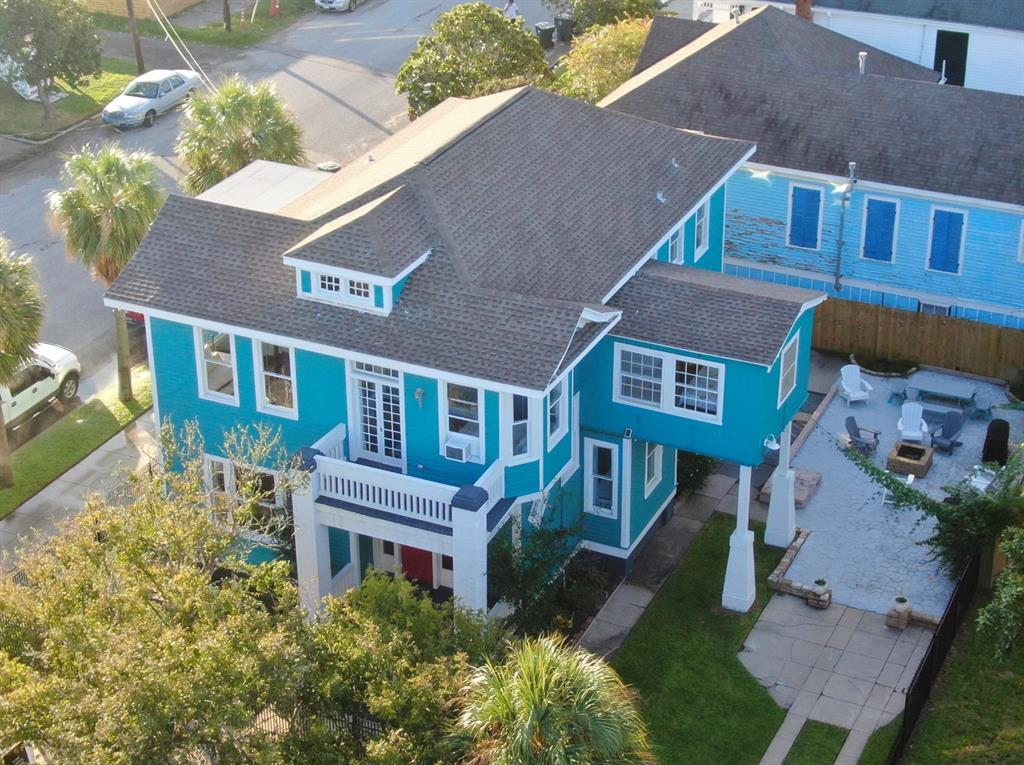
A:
{"points": [[52, 375]]}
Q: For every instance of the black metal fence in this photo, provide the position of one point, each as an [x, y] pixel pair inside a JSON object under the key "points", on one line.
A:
{"points": [[921, 686], [361, 726]]}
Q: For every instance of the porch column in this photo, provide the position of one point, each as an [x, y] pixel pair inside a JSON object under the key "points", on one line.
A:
{"points": [[312, 551], [469, 547], [781, 526], [738, 593]]}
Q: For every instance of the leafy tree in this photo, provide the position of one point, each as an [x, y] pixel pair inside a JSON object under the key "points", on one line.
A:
{"points": [[21, 318], [111, 198], [601, 59], [550, 702], [591, 13], [1003, 616], [139, 634], [386, 652], [49, 40], [474, 50], [238, 123]]}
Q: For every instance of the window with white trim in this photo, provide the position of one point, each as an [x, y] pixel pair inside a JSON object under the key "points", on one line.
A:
{"points": [[558, 413], [220, 479], [217, 365], [701, 231], [340, 289], [653, 454], [520, 425], [462, 415], [359, 290], [330, 283], [695, 386], [675, 248], [787, 374], [275, 379], [805, 212], [601, 478], [933, 309]]}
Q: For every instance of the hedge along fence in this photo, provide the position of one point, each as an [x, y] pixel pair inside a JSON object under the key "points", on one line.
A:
{"points": [[849, 326]]}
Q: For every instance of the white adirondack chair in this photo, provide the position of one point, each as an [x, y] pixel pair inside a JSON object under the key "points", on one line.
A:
{"points": [[852, 386], [912, 426], [887, 498]]}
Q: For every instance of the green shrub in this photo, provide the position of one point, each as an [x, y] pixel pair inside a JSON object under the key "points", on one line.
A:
{"points": [[692, 470]]}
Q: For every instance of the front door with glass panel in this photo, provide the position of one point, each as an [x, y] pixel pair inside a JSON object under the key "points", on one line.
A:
{"points": [[378, 415]]}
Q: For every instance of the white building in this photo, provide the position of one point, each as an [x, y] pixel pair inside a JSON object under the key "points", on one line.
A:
{"points": [[977, 43]]}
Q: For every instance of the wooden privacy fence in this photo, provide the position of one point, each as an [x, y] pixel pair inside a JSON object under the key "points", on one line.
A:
{"points": [[849, 326]]}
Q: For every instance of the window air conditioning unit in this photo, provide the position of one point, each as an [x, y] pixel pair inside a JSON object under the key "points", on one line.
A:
{"points": [[458, 449]]}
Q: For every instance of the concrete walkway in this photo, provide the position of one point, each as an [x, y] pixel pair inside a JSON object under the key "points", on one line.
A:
{"points": [[131, 449], [841, 666]]}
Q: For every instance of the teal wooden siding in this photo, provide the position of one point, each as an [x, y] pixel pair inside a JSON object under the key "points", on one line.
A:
{"points": [[713, 258], [556, 455], [396, 291], [365, 554], [378, 296], [320, 387], [643, 509], [341, 554], [523, 479], [990, 281]]}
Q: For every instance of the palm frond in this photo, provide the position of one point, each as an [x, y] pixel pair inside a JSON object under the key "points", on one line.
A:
{"points": [[21, 310]]}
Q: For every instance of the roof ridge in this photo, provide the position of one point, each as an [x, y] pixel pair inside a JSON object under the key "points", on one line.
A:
{"points": [[491, 115]]}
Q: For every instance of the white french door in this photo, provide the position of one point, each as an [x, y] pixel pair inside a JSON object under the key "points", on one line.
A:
{"points": [[378, 410]]}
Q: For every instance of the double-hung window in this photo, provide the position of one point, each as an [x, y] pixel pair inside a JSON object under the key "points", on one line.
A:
{"points": [[601, 478], [804, 216], [653, 457], [675, 247], [787, 373], [463, 417], [520, 425], [275, 379], [217, 365], [558, 412], [879, 240], [947, 240], [701, 231], [676, 384]]}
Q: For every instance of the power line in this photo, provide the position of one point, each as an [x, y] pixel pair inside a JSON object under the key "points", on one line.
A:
{"points": [[179, 45]]}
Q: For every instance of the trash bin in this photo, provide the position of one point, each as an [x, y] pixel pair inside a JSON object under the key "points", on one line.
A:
{"points": [[563, 28], [545, 33]]}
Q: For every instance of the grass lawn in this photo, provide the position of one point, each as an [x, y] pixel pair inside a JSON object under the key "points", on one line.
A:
{"points": [[817, 743], [699, 700], [25, 118], [976, 712], [880, 744], [72, 438], [239, 37]]}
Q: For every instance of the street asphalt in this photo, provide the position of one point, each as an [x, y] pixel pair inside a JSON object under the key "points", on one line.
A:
{"points": [[335, 72]]}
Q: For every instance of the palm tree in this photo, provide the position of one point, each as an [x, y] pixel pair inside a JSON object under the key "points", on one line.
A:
{"points": [[21, 318], [111, 199], [226, 129], [550, 703]]}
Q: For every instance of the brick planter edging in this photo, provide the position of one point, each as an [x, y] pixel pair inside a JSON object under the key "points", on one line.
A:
{"points": [[818, 597]]}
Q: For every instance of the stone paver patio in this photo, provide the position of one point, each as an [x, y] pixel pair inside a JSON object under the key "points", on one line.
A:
{"points": [[840, 666]]}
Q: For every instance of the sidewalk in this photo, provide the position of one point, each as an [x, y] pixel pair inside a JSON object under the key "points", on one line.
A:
{"points": [[101, 471]]}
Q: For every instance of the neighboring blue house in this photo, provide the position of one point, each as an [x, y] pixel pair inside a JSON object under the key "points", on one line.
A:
{"points": [[880, 186], [512, 309]]}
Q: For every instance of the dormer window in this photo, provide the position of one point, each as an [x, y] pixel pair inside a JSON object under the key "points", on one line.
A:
{"points": [[359, 290], [330, 283], [337, 288]]}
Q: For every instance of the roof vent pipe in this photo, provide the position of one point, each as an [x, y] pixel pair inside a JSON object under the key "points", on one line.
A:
{"points": [[675, 162], [660, 197], [736, 13], [862, 60]]}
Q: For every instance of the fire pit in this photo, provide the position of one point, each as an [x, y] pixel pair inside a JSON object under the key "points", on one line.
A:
{"points": [[910, 459]]}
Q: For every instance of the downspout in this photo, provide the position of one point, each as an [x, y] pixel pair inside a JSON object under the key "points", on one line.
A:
{"points": [[840, 242]]}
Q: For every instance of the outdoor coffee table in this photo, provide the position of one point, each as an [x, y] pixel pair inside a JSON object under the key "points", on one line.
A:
{"points": [[959, 394]]}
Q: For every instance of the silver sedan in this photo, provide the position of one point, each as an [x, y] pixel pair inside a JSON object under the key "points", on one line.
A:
{"points": [[150, 94]]}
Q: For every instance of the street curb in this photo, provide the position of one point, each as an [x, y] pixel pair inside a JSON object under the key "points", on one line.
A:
{"points": [[54, 137]]}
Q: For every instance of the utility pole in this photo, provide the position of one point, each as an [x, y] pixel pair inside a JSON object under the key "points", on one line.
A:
{"points": [[134, 27]]}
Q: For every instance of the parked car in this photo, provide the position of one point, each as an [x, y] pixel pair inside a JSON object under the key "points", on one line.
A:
{"points": [[52, 375], [150, 94], [337, 5]]}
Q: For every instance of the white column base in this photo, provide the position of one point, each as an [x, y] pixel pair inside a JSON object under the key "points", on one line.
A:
{"points": [[469, 558], [781, 527], [312, 552], [739, 590]]}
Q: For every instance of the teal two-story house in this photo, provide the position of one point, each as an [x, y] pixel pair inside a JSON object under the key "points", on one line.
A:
{"points": [[513, 311], [872, 181]]}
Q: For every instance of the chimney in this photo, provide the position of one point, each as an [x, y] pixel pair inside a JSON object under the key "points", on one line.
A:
{"points": [[803, 9], [862, 60]]}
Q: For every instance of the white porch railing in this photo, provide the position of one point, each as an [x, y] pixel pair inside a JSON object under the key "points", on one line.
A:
{"points": [[333, 442], [381, 490]]}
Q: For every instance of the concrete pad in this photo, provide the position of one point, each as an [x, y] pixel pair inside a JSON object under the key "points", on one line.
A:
{"points": [[851, 618], [848, 689], [835, 712], [901, 653], [794, 675], [867, 720], [784, 695], [819, 634], [868, 644], [816, 679], [603, 638], [620, 611], [911, 635], [699, 507], [897, 703], [840, 637], [787, 733], [804, 702], [874, 623], [890, 674], [716, 486], [853, 747], [828, 659], [762, 666], [638, 596], [879, 697], [859, 666]]}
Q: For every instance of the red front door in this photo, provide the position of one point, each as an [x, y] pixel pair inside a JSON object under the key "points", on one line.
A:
{"points": [[418, 564]]}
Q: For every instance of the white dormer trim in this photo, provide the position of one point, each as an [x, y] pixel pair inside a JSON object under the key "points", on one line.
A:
{"points": [[349, 273]]}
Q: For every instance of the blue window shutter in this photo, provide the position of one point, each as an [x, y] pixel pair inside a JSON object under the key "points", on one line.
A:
{"points": [[947, 229], [879, 230], [803, 224]]}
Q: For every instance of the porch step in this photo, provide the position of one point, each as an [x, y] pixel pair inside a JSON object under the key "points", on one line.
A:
{"points": [[383, 515]]}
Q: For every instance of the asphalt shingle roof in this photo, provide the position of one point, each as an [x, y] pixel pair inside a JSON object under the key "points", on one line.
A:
{"points": [[666, 36], [899, 131], [709, 312], [530, 216]]}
